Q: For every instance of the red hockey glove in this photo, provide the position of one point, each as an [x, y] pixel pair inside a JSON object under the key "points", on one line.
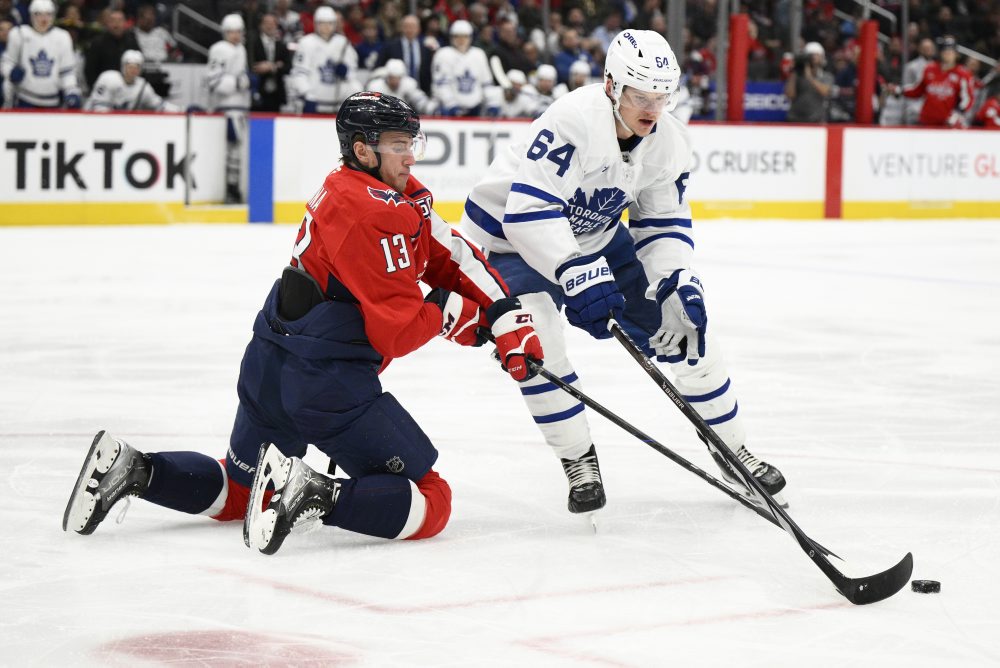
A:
{"points": [[461, 318], [515, 337]]}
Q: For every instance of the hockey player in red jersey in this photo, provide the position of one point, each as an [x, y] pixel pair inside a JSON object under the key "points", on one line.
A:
{"points": [[947, 89], [349, 302], [989, 114]]}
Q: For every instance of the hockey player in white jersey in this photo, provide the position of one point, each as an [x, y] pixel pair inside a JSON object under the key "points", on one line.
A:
{"points": [[394, 81], [126, 89], [517, 100], [228, 82], [549, 214], [325, 67], [460, 74], [39, 65]]}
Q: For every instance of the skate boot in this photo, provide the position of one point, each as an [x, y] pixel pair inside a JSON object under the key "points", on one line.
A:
{"points": [[113, 469], [769, 477], [586, 491], [301, 496]]}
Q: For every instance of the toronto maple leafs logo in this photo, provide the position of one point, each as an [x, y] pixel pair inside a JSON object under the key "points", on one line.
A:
{"points": [[466, 82], [387, 196], [601, 209], [326, 72], [42, 65]]}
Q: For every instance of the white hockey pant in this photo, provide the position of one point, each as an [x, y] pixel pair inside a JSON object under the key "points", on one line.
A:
{"points": [[236, 133]]}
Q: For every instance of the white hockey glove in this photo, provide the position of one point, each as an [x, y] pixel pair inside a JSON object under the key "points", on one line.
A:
{"points": [[682, 305]]}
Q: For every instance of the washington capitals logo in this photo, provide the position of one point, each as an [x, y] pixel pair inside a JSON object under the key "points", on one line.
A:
{"points": [[387, 196], [605, 206], [42, 65], [326, 72]]}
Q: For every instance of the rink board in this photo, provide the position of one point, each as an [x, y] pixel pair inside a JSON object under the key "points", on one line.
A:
{"points": [[70, 169]]}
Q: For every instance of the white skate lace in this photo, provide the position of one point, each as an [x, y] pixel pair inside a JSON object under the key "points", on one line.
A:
{"points": [[753, 464], [582, 471], [125, 507]]}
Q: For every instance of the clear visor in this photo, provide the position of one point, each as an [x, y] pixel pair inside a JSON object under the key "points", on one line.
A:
{"points": [[412, 146], [637, 99]]}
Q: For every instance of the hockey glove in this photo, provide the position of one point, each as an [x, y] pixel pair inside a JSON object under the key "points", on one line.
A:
{"points": [[461, 318], [16, 74], [682, 305], [340, 70], [310, 107], [73, 101], [515, 337], [591, 296]]}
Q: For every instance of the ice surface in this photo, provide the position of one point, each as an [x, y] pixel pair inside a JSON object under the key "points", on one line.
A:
{"points": [[866, 360]]}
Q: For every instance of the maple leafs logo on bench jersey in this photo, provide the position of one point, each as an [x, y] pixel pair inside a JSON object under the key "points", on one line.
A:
{"points": [[387, 196]]}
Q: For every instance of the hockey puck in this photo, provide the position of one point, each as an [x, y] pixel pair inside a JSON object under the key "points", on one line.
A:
{"points": [[926, 586]]}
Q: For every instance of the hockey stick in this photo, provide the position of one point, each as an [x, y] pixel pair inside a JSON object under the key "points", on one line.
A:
{"points": [[496, 66], [859, 591], [656, 445]]}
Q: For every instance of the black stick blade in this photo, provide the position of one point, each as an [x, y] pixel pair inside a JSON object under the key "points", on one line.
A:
{"points": [[881, 586]]}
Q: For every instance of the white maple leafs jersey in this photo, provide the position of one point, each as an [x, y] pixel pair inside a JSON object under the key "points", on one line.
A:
{"points": [[49, 65], [408, 90], [562, 194], [459, 79], [314, 69], [227, 77], [526, 104], [112, 93]]}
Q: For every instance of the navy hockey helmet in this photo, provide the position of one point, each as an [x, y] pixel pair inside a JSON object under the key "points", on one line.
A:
{"points": [[370, 114]]}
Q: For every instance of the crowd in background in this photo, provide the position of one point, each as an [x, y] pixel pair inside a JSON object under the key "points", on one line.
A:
{"points": [[820, 73]]}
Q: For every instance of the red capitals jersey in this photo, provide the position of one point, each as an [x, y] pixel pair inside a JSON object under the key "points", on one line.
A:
{"points": [[989, 114], [360, 234], [943, 91]]}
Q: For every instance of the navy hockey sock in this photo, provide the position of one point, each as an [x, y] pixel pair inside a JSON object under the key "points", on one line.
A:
{"points": [[186, 481], [376, 505]]}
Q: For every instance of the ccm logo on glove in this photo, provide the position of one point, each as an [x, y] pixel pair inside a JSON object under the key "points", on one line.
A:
{"points": [[515, 337]]}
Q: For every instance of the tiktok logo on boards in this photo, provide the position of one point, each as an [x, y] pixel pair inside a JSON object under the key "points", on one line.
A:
{"points": [[52, 166]]}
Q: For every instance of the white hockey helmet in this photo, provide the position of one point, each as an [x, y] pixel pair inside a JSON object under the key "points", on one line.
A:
{"points": [[232, 22], [814, 49], [643, 60], [325, 14], [461, 27], [517, 77], [395, 67], [546, 73], [579, 67], [132, 57], [42, 7]]}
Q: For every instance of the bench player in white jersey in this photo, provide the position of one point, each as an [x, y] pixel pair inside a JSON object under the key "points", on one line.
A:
{"points": [[39, 65], [397, 83], [126, 89], [460, 74], [549, 215], [228, 82], [325, 67]]}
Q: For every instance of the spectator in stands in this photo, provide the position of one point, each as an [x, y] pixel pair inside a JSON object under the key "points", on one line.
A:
{"points": [[509, 48], [105, 51], [396, 82], [371, 46], [461, 74], [5, 26], [9, 13], [270, 61], [989, 114], [532, 57], [479, 16], [409, 48], [157, 46], [912, 74], [126, 90], [612, 25], [810, 86], [570, 52], [289, 21], [156, 43]]}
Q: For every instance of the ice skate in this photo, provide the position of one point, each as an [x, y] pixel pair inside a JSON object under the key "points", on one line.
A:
{"points": [[112, 470], [586, 490], [301, 497], [768, 475]]}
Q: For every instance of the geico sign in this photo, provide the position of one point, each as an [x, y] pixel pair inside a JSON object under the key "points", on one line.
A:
{"points": [[52, 166]]}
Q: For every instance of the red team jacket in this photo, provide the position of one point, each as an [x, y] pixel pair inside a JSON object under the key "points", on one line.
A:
{"points": [[379, 244], [943, 92]]}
